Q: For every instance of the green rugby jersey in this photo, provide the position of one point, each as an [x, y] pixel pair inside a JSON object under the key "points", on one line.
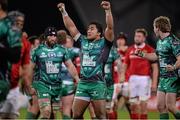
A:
{"points": [[167, 50], [48, 63], [93, 55], [109, 66], [10, 38]]}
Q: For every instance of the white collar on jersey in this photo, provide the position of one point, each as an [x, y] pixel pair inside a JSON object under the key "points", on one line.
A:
{"points": [[140, 46]]}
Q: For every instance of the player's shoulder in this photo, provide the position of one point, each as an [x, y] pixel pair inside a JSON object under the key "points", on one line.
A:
{"points": [[174, 40], [5, 24], [60, 47]]}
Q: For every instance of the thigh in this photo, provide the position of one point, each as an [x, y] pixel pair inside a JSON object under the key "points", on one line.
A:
{"points": [[144, 88], [133, 89], [79, 107], [161, 99], [99, 108], [67, 101], [171, 99]]}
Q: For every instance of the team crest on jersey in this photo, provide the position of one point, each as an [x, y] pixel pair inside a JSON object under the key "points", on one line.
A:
{"points": [[43, 55], [51, 54]]}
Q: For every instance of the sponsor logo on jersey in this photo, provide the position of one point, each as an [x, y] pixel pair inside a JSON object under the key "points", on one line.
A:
{"points": [[59, 54], [43, 55]]}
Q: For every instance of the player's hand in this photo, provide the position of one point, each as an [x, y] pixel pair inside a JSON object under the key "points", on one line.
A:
{"points": [[26, 89], [170, 68], [105, 5], [61, 7], [153, 89]]}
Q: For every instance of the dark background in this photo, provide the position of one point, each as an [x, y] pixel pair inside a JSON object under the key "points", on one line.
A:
{"points": [[128, 14]]}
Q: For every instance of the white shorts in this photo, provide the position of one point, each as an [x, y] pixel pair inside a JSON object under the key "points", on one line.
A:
{"points": [[139, 88], [11, 105]]}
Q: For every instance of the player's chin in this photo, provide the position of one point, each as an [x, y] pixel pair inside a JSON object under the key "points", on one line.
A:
{"points": [[90, 37]]}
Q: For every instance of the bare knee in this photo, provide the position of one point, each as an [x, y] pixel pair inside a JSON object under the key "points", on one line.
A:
{"points": [[161, 107], [46, 112], [100, 113], [171, 107]]}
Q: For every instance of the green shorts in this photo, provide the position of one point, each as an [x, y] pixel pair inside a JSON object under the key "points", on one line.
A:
{"points": [[110, 91], [91, 91], [168, 85], [68, 88], [4, 89], [47, 93]]}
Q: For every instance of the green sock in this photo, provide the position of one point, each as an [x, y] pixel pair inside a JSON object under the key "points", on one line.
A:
{"points": [[65, 117], [164, 116], [177, 115], [30, 115]]}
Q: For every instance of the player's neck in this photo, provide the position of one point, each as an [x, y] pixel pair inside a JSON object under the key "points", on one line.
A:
{"points": [[2, 14], [140, 45], [164, 35]]}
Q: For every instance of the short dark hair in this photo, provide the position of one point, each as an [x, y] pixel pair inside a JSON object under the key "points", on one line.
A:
{"points": [[142, 30], [98, 26], [4, 5], [163, 23], [122, 35], [32, 39], [13, 15]]}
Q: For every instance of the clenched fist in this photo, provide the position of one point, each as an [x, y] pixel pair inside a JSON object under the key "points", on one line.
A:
{"points": [[105, 5], [61, 7]]}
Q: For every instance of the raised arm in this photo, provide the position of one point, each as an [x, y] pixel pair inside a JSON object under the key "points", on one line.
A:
{"points": [[69, 24], [109, 31]]}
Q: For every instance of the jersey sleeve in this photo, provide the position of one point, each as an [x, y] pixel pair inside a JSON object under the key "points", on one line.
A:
{"points": [[175, 47]]}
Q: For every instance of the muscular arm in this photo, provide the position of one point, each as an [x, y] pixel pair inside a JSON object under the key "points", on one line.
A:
{"points": [[69, 24], [72, 70], [27, 76], [109, 31], [150, 56], [177, 64]]}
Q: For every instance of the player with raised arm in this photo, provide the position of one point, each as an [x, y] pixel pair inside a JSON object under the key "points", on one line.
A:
{"points": [[94, 54]]}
